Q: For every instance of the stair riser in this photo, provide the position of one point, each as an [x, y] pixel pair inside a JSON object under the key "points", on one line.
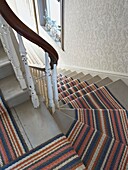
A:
{"points": [[1, 45], [16, 100], [6, 70]]}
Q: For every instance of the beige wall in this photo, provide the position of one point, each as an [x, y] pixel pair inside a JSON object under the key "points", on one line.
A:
{"points": [[96, 35]]}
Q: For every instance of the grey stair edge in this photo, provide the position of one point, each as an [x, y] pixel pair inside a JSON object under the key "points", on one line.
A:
{"points": [[21, 128], [71, 74], [120, 92], [3, 54], [63, 120], [94, 79], [6, 70], [69, 112], [86, 77], [61, 71], [105, 81], [61, 103], [65, 106], [5, 65], [78, 75], [12, 92], [10, 86], [18, 99], [65, 73], [4, 62]]}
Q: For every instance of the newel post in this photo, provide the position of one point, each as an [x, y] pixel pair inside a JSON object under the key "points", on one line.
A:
{"points": [[49, 84], [29, 78]]}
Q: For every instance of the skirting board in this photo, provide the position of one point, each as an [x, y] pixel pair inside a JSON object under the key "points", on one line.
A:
{"points": [[113, 75]]}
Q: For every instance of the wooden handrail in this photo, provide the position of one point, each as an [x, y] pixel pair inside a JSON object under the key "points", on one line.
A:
{"points": [[26, 32], [37, 67]]}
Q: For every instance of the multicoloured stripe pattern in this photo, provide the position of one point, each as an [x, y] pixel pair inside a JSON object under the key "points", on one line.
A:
{"points": [[64, 93], [111, 122], [55, 154], [96, 149], [100, 137], [68, 85], [79, 93], [61, 77], [99, 133], [12, 144], [64, 81], [98, 99]]}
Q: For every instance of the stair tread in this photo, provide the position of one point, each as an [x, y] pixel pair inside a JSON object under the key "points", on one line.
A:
{"points": [[104, 82], [3, 56], [10, 87], [69, 112], [4, 61], [60, 71], [71, 74], [65, 73], [0, 44], [5, 65], [94, 79], [85, 77], [63, 120], [78, 75], [120, 91], [35, 122]]}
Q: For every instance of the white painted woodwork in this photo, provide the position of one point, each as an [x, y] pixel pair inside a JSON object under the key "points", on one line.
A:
{"points": [[51, 104], [55, 89], [29, 78], [10, 50]]}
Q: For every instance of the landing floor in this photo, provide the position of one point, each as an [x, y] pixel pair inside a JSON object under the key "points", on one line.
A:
{"points": [[36, 125]]}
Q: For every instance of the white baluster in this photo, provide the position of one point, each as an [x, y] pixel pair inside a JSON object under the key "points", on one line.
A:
{"points": [[49, 84], [55, 89], [10, 50], [30, 81]]}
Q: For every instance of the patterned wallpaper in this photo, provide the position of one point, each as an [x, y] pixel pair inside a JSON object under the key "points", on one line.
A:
{"points": [[96, 34]]}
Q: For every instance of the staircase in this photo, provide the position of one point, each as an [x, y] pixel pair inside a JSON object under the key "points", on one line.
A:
{"points": [[92, 117], [87, 131]]}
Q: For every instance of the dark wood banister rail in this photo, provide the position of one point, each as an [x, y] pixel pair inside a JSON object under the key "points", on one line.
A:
{"points": [[26, 32]]}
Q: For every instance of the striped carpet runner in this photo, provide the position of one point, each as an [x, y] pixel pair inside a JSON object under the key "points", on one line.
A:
{"points": [[64, 81], [99, 133], [12, 144], [98, 99], [55, 154], [79, 93], [100, 138], [64, 92], [68, 85]]}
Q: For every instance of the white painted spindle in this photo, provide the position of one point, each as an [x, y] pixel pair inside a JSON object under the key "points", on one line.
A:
{"points": [[51, 104], [55, 89], [29, 78]]}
